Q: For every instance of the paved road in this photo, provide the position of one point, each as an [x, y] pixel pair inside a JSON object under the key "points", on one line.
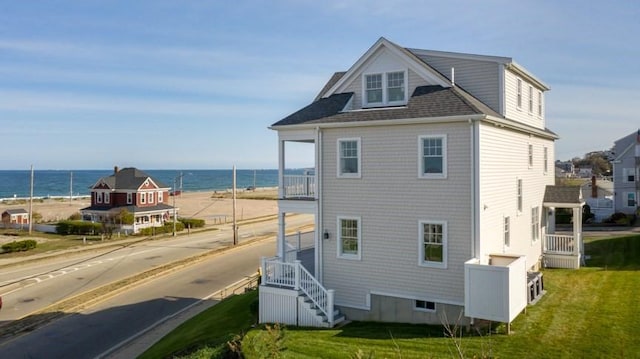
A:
{"points": [[29, 288], [92, 333]]}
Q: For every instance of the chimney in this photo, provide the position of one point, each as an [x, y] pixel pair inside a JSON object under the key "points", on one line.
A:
{"points": [[115, 169], [594, 187]]}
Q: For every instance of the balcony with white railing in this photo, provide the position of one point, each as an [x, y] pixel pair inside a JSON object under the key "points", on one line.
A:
{"points": [[299, 187]]}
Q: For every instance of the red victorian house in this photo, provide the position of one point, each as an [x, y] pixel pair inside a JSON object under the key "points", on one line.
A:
{"points": [[133, 190]]}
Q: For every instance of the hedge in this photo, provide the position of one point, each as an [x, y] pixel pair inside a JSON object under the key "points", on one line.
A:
{"points": [[167, 228], [19, 246], [192, 222], [78, 227]]}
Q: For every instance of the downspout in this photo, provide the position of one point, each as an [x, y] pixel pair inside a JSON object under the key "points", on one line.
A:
{"points": [[318, 224]]}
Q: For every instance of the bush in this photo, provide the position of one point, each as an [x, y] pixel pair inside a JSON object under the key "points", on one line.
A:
{"points": [[192, 222], [19, 246], [75, 217], [78, 227], [619, 218], [167, 228]]}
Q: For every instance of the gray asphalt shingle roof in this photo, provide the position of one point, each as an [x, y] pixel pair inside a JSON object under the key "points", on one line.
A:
{"points": [[16, 211], [426, 101], [563, 194], [129, 178]]}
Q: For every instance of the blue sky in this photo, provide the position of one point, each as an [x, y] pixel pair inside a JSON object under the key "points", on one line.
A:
{"points": [[195, 84]]}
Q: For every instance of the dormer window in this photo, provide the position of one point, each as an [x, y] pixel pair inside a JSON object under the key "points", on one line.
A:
{"points": [[385, 89]]}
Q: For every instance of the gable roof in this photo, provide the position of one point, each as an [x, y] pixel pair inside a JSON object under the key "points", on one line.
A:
{"points": [[129, 178], [563, 196], [623, 145], [16, 211]]}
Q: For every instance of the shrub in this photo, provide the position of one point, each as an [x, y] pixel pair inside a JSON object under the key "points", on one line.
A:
{"points": [[19, 246], [620, 218], [192, 222], [75, 217], [78, 227], [167, 228]]}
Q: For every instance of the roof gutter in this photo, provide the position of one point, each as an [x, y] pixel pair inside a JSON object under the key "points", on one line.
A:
{"points": [[406, 121], [519, 70]]}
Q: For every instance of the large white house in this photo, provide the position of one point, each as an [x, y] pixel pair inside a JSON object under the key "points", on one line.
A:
{"points": [[626, 169], [432, 193]]}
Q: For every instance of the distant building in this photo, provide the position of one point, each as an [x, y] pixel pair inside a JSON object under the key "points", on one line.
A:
{"points": [[566, 166], [13, 217], [134, 191], [625, 173]]}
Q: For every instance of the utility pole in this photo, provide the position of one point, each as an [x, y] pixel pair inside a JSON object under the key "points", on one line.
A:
{"points": [[31, 204], [233, 193]]}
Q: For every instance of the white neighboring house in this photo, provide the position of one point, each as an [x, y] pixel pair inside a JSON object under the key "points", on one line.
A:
{"points": [[432, 194], [599, 198], [626, 169]]}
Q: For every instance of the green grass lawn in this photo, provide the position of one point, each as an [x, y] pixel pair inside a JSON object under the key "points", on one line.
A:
{"points": [[586, 313]]}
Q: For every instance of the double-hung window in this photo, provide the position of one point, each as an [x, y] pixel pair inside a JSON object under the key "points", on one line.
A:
{"points": [[630, 199], [349, 163], [98, 197], [628, 175], [150, 198], [129, 198], [383, 89], [530, 155], [530, 99], [349, 238], [546, 159], [535, 224], [160, 197], [433, 156], [507, 231], [540, 103], [143, 198], [106, 197], [433, 244]]}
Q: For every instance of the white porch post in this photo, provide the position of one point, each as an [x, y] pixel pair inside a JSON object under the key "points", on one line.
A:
{"points": [[577, 229], [263, 270], [281, 166], [281, 235], [296, 284]]}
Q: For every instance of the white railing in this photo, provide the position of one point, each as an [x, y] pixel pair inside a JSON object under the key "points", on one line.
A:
{"points": [[291, 253], [559, 244], [296, 277], [299, 186]]}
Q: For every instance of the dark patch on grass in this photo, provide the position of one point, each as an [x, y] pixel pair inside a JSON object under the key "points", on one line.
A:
{"points": [[621, 253]]}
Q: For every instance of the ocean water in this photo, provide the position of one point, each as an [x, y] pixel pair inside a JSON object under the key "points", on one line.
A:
{"points": [[56, 183]]}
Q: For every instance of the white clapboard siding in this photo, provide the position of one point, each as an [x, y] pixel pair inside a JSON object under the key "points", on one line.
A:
{"points": [[504, 159], [522, 114], [390, 199]]}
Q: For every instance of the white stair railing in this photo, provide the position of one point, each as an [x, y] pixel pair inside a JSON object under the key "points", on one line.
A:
{"points": [[296, 277]]}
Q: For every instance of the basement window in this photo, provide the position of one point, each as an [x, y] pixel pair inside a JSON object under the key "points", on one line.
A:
{"points": [[424, 305]]}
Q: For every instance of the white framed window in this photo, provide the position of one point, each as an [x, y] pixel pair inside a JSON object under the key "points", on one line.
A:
{"points": [[98, 197], [160, 199], [143, 198], [530, 155], [349, 238], [530, 99], [349, 159], [129, 198], [424, 306], [630, 199], [628, 175], [107, 197], [519, 93], [535, 224], [540, 103], [433, 156], [150, 197], [507, 231], [546, 159], [433, 244], [384, 89], [519, 194]]}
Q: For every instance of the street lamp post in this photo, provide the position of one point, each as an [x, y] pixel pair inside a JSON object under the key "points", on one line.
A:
{"points": [[175, 180]]}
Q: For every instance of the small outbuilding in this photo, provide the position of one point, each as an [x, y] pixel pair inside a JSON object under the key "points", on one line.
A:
{"points": [[11, 217]]}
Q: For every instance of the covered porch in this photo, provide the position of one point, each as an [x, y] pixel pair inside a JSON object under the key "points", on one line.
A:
{"points": [[563, 250]]}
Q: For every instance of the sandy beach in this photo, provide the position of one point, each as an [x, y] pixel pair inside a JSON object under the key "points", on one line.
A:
{"points": [[211, 206]]}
